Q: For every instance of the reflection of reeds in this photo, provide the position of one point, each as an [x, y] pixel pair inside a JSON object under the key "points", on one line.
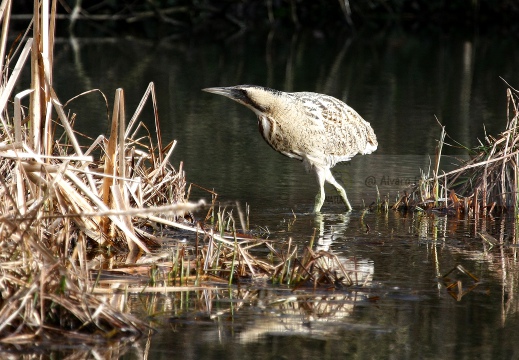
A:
{"points": [[222, 257], [486, 184]]}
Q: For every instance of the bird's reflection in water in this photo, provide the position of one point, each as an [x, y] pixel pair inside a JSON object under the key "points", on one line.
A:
{"points": [[332, 231], [330, 227]]}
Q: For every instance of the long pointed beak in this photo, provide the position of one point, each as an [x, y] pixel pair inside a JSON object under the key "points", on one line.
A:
{"points": [[229, 92]]}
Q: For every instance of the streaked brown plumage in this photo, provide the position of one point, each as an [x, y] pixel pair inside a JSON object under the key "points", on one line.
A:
{"points": [[317, 129]]}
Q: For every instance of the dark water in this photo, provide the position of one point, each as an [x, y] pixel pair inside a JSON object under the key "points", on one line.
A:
{"points": [[398, 82], [401, 311]]}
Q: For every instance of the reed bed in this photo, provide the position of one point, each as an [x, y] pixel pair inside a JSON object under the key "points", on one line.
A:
{"points": [[487, 184], [58, 204], [225, 258], [58, 200]]}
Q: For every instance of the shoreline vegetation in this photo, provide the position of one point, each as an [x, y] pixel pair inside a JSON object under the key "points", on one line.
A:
{"points": [[487, 184], [77, 222]]}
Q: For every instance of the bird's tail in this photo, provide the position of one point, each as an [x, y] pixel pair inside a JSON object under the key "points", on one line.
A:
{"points": [[371, 143]]}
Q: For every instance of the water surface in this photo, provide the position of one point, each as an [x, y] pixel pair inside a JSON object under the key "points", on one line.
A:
{"points": [[403, 85], [398, 82]]}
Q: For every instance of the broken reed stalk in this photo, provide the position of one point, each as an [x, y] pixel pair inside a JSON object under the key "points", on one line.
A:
{"points": [[487, 184], [234, 253], [439, 147]]}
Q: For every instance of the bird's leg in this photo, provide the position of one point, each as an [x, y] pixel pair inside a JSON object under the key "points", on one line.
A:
{"points": [[340, 189], [319, 198]]}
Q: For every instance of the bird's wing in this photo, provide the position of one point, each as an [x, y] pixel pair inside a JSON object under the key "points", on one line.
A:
{"points": [[312, 107], [344, 132]]}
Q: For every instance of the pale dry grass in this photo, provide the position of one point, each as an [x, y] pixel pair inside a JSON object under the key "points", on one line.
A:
{"points": [[487, 184], [57, 198]]}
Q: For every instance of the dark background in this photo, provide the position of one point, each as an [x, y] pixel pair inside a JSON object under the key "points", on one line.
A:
{"points": [[162, 18]]}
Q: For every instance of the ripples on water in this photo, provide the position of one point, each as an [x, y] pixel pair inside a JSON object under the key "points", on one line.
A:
{"points": [[400, 298]]}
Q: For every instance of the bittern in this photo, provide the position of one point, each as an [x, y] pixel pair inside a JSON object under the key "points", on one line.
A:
{"points": [[317, 129]]}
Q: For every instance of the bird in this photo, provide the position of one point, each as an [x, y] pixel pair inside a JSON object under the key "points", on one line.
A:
{"points": [[317, 129]]}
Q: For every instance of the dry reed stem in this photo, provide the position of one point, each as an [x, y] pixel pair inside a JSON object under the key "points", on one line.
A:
{"points": [[55, 198], [486, 184], [5, 16]]}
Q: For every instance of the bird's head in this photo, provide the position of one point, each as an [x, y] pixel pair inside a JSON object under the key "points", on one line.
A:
{"points": [[259, 99]]}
